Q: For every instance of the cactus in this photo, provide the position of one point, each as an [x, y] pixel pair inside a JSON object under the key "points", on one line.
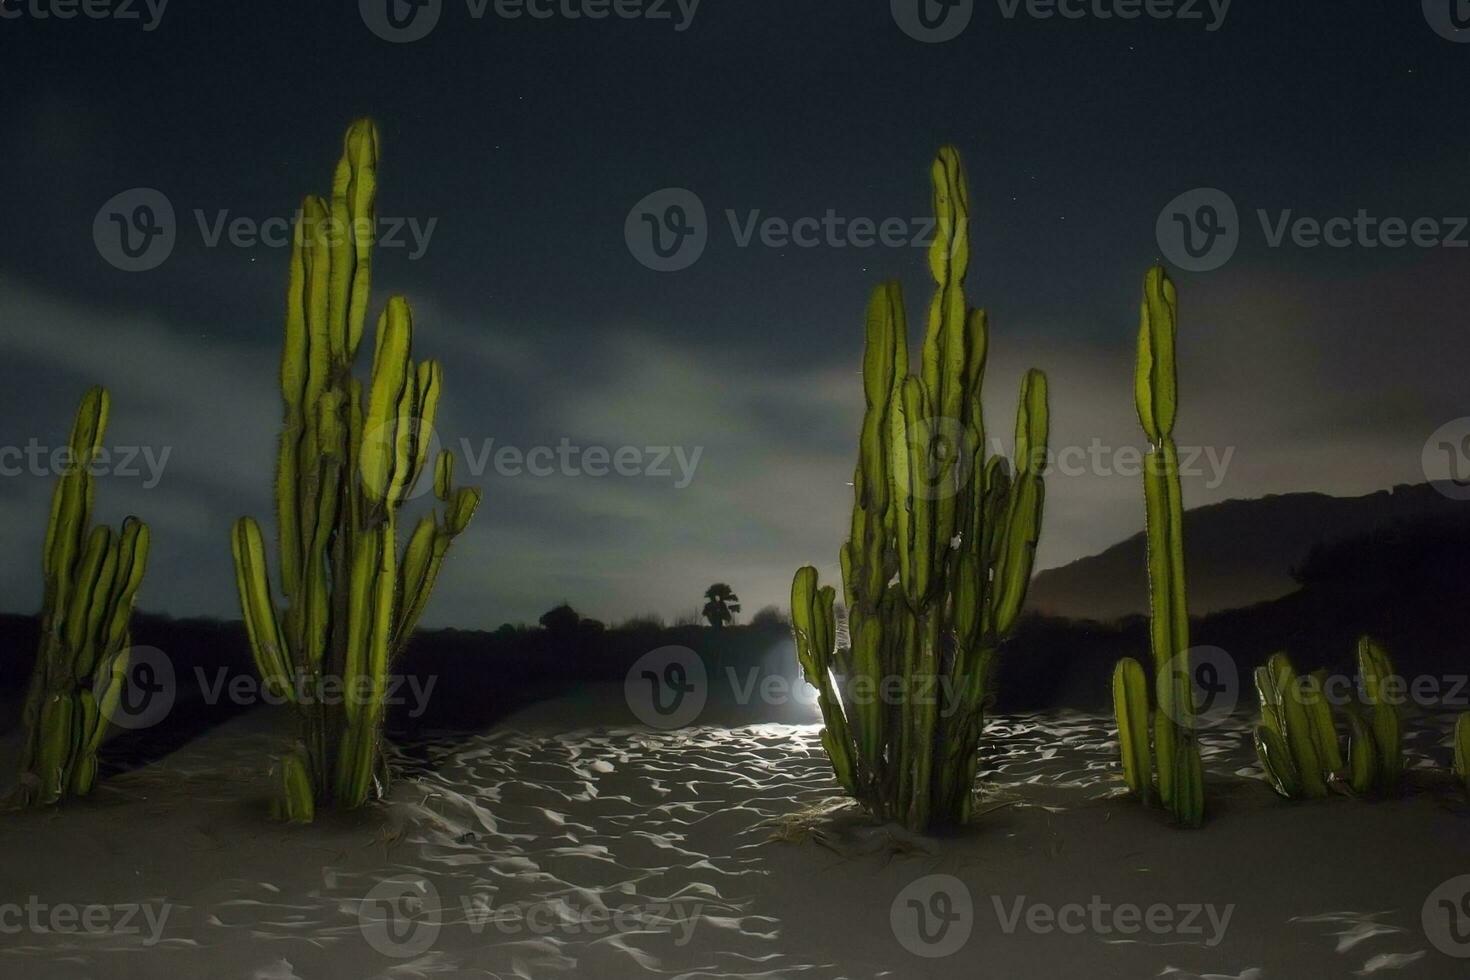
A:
{"points": [[1297, 740], [350, 455], [91, 576], [936, 568], [1169, 770]]}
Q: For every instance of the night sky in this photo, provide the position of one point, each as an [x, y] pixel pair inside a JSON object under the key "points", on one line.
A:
{"points": [[526, 142]]}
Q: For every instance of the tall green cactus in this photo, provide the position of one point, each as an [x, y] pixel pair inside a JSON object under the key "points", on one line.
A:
{"points": [[91, 576], [939, 558], [1170, 769], [1297, 741], [350, 455]]}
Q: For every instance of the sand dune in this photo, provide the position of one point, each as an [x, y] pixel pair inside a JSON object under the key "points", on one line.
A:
{"points": [[613, 851]]}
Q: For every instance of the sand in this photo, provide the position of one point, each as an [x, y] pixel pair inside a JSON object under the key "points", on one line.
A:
{"points": [[571, 843]]}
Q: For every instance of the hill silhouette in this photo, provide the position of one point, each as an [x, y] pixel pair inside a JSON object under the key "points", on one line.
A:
{"points": [[1237, 553]]}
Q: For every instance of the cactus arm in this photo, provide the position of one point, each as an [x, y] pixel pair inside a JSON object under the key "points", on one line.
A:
{"points": [[1130, 706], [1027, 498], [267, 642], [1320, 724], [391, 364], [361, 193], [1277, 763], [295, 803], [1363, 773], [1387, 726], [71, 501], [1297, 734]]}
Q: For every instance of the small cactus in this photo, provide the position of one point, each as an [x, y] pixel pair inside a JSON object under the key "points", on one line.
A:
{"points": [[1297, 740], [92, 576]]}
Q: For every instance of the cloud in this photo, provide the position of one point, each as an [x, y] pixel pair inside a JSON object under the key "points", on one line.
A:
{"points": [[1307, 385]]}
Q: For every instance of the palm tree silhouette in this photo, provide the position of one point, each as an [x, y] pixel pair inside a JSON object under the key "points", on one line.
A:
{"points": [[722, 605]]}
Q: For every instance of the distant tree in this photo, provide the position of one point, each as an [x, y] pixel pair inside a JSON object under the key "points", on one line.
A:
{"points": [[561, 619], [722, 606], [770, 617]]}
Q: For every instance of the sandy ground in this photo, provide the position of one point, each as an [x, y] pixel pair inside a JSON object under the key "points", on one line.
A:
{"points": [[614, 851]]}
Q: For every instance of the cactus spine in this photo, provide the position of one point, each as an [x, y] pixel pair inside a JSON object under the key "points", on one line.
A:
{"points": [[1171, 769], [939, 558], [349, 456], [92, 576], [1297, 741]]}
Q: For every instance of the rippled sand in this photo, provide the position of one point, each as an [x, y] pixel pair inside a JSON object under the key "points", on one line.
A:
{"points": [[608, 852]]}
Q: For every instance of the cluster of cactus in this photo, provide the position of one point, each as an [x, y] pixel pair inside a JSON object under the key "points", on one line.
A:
{"points": [[1161, 760], [348, 458], [1297, 740], [91, 575], [940, 554]]}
